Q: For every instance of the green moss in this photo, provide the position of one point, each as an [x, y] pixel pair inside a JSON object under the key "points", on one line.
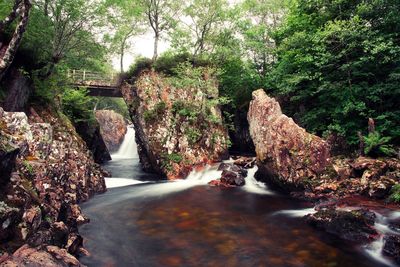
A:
{"points": [[151, 115]]}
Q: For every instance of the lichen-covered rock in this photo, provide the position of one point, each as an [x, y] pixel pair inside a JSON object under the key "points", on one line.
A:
{"points": [[112, 128], [177, 125], [285, 151], [37, 257], [356, 225], [54, 171]]}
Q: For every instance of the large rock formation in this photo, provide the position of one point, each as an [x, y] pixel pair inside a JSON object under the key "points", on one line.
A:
{"points": [[54, 171], [112, 128], [91, 134], [178, 125], [285, 151]]}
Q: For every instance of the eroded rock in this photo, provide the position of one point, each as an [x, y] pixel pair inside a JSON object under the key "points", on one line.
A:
{"points": [[177, 128], [112, 128], [284, 150]]}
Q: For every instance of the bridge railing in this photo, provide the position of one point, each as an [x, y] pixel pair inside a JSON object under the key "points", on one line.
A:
{"points": [[85, 77]]}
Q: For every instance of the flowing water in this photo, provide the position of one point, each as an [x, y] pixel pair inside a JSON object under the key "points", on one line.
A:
{"points": [[188, 223]]}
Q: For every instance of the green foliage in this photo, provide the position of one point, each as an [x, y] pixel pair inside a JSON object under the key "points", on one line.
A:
{"points": [[157, 112], [167, 159], [193, 135], [338, 64], [111, 103], [377, 145], [77, 105], [140, 65], [395, 193]]}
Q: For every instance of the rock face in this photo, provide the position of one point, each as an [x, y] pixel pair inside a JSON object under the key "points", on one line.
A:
{"points": [[54, 171], [18, 90], [177, 126], [112, 128], [90, 133], [285, 151]]}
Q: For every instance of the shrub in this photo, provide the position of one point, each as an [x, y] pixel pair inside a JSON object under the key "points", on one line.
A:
{"points": [[193, 135], [77, 105], [395, 193], [140, 65], [377, 145]]}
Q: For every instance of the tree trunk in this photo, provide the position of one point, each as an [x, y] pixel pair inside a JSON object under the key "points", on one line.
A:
{"points": [[46, 8], [156, 39], [12, 48], [122, 57]]}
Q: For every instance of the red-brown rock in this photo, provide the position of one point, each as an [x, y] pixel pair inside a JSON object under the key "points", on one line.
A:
{"points": [[284, 150], [112, 128]]}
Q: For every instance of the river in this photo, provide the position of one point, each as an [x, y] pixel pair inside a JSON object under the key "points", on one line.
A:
{"points": [[141, 222]]}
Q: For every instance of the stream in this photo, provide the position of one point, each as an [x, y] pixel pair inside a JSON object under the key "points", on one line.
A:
{"points": [[141, 222]]}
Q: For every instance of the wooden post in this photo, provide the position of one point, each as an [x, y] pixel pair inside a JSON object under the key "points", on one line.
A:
{"points": [[73, 74], [84, 75]]}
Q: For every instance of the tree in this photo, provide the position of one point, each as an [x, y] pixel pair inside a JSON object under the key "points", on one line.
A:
{"points": [[21, 8], [161, 16], [339, 64], [205, 20], [71, 24], [261, 19], [126, 19]]}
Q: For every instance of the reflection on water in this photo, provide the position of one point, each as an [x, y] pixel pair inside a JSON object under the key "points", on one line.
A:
{"points": [[188, 223]]}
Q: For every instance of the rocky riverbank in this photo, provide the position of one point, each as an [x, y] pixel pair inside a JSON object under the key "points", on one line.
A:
{"points": [[46, 171], [300, 163]]}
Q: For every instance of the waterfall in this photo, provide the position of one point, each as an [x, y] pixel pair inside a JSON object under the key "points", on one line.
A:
{"points": [[128, 148]]}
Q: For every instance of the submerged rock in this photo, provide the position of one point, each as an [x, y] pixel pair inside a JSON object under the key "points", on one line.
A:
{"points": [[177, 126], [356, 225], [392, 247], [232, 176], [112, 128], [285, 151]]}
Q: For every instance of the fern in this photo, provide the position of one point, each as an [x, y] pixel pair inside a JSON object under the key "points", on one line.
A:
{"points": [[377, 145]]}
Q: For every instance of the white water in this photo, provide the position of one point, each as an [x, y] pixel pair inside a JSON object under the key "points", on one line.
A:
{"points": [[254, 186], [374, 249], [296, 213], [128, 148]]}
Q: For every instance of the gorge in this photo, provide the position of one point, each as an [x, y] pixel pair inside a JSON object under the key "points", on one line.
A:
{"points": [[243, 133]]}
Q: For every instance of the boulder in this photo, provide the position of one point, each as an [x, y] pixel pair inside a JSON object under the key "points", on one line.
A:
{"points": [[232, 176], [37, 257], [392, 247], [285, 151], [112, 128], [178, 126], [356, 225], [94, 140]]}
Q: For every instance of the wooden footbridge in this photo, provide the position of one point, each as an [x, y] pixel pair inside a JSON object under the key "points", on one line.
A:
{"points": [[97, 84]]}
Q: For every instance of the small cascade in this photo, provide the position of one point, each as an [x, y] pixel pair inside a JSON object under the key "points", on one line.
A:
{"points": [[128, 148], [375, 248], [254, 186]]}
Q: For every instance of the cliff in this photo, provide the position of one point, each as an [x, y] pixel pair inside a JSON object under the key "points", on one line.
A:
{"points": [[112, 128], [49, 171], [177, 121]]}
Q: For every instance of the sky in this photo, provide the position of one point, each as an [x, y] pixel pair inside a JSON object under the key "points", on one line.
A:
{"points": [[142, 45]]}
